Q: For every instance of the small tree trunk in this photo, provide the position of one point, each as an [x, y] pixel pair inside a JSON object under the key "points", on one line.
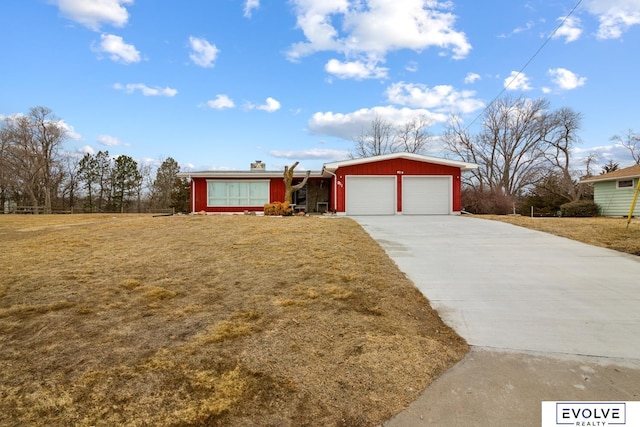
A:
{"points": [[289, 189]]}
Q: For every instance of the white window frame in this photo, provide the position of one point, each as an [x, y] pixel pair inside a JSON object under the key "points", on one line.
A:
{"points": [[244, 199], [626, 187]]}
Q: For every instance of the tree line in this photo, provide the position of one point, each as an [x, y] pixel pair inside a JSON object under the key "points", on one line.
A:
{"points": [[36, 173], [524, 151]]}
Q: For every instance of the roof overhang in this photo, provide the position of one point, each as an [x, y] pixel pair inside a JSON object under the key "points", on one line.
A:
{"points": [[328, 169], [247, 174], [626, 173], [332, 167]]}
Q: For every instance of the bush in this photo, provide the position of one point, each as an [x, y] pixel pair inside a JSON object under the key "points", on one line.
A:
{"points": [[486, 202], [580, 208], [278, 209]]}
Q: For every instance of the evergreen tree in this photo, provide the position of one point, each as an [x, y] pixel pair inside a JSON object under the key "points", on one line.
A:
{"points": [[164, 183], [125, 181]]}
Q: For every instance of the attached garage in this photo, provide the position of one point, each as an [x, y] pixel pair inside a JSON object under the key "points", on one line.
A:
{"points": [[426, 195], [397, 183], [371, 195]]}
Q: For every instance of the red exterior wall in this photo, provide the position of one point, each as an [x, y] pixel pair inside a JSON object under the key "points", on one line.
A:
{"points": [[398, 167], [276, 194]]}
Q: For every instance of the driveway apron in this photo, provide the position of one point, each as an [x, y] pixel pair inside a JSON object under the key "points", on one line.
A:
{"points": [[509, 288]]}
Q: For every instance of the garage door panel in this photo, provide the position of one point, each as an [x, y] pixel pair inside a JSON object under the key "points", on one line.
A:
{"points": [[370, 195], [423, 195]]}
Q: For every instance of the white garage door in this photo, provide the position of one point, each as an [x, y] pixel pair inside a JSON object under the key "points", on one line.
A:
{"points": [[371, 195], [426, 195]]}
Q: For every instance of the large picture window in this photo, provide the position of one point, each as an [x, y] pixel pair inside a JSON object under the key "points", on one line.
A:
{"points": [[237, 193]]}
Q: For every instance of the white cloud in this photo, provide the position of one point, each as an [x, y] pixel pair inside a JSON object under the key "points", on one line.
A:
{"points": [[69, 130], [221, 102], [118, 50], [249, 5], [350, 125], [615, 16], [565, 79], [146, 90], [441, 98], [202, 53], [570, 30], [472, 78], [412, 67], [369, 29], [269, 106], [517, 81], [94, 13], [355, 70], [312, 154], [525, 28], [86, 149], [110, 141], [529, 25]]}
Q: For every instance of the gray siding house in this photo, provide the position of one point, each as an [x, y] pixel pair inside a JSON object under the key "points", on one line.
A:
{"points": [[613, 191]]}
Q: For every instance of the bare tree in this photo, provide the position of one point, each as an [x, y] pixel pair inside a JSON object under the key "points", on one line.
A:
{"points": [[589, 161], [562, 137], [31, 152], [71, 176], [377, 140], [144, 181], [5, 175], [289, 188], [412, 136], [511, 148], [631, 141], [382, 137]]}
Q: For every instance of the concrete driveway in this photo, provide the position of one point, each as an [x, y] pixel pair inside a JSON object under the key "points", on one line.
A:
{"points": [[529, 303]]}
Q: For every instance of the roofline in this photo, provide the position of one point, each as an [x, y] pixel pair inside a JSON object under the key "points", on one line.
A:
{"points": [[247, 174], [333, 166], [601, 178], [630, 172]]}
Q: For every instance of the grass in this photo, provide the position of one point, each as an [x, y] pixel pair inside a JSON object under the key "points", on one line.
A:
{"points": [[208, 320], [611, 233]]}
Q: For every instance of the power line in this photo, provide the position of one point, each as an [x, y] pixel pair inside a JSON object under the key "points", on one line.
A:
{"points": [[526, 64]]}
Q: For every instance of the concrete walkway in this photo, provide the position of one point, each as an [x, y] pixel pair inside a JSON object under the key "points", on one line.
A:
{"points": [[547, 318]]}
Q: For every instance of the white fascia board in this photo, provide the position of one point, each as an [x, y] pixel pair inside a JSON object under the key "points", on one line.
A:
{"points": [[409, 156]]}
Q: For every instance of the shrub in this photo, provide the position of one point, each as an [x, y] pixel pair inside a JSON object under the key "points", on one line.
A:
{"points": [[580, 208], [486, 201], [278, 209]]}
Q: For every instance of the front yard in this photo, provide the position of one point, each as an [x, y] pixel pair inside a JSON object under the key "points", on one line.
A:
{"points": [[208, 320]]}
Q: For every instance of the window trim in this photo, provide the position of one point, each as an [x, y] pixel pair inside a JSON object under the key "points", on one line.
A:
{"points": [[626, 187], [239, 181]]}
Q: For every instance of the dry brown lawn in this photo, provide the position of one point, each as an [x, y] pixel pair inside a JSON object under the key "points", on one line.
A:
{"points": [[208, 320], [611, 233]]}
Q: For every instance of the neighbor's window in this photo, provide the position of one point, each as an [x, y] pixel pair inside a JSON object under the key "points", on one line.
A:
{"points": [[625, 183], [237, 193]]}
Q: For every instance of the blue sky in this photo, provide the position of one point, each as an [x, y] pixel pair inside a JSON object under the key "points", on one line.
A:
{"points": [[217, 84]]}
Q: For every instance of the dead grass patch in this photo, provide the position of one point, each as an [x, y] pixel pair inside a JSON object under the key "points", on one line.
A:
{"points": [[611, 233], [208, 320]]}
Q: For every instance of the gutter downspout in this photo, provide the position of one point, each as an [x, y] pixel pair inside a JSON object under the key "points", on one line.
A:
{"points": [[335, 191]]}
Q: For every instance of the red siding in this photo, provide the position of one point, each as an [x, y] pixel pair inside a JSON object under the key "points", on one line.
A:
{"points": [[398, 167], [276, 194]]}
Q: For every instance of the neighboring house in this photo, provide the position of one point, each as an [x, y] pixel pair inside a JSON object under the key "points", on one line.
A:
{"points": [[398, 183], [613, 191]]}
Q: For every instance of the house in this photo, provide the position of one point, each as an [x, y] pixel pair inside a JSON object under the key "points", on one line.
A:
{"points": [[398, 183], [613, 192]]}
